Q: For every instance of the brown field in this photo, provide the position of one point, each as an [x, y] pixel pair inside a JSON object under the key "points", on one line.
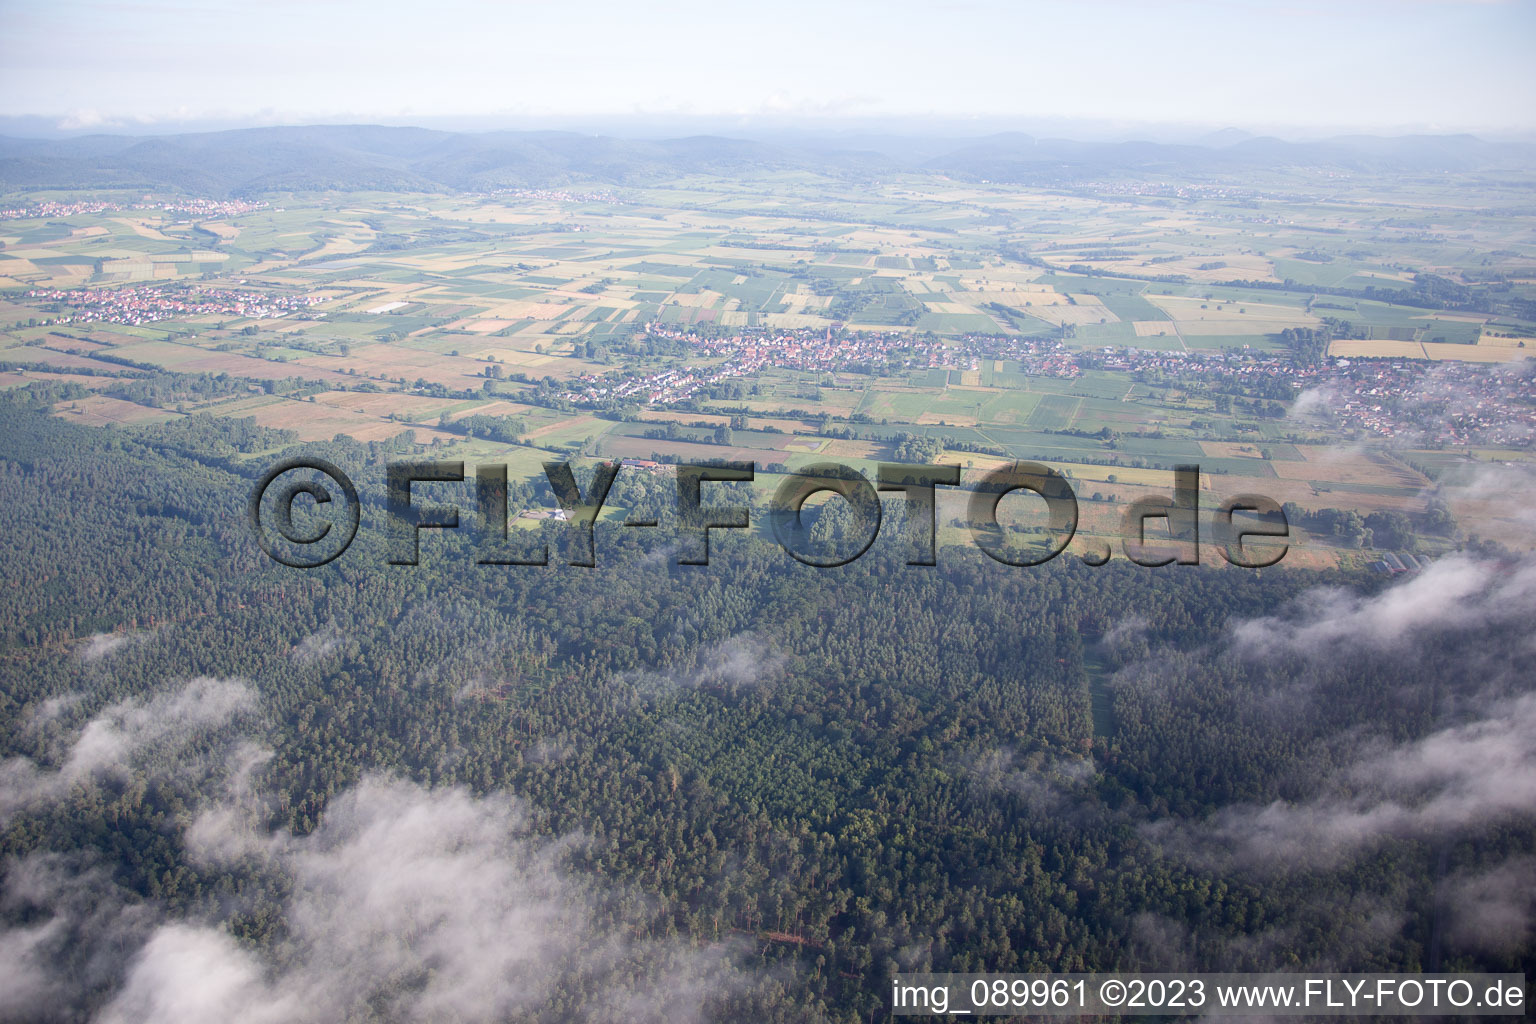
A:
{"points": [[224, 231], [415, 408], [947, 418], [1187, 310], [1484, 352], [59, 343], [719, 419], [499, 407], [574, 422], [143, 228], [857, 449], [390, 361], [317, 421], [99, 410], [615, 446], [19, 378], [1475, 353], [1523, 341], [1377, 349], [1231, 449], [110, 337], [1087, 311], [191, 359], [714, 419], [525, 309], [517, 355], [30, 354], [1335, 470], [483, 326], [839, 403]]}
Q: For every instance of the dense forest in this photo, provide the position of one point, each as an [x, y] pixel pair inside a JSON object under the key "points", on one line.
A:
{"points": [[753, 790]]}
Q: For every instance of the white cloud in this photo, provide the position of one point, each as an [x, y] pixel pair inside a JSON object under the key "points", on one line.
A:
{"points": [[409, 903], [740, 661], [317, 645], [111, 741], [1464, 776], [1045, 784], [1455, 593], [100, 645], [82, 925], [1314, 405], [1494, 909]]}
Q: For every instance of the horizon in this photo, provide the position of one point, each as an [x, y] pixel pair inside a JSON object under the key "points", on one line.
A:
{"points": [[825, 132], [1458, 66]]}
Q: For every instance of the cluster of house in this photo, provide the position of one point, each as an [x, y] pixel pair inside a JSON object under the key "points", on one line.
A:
{"points": [[743, 354], [57, 209], [659, 388], [649, 465], [1168, 190], [1450, 403], [193, 207], [142, 304], [828, 350], [1237, 366], [558, 195], [207, 207]]}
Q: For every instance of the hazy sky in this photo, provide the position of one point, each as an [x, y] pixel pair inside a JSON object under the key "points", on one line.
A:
{"points": [[1327, 63]]}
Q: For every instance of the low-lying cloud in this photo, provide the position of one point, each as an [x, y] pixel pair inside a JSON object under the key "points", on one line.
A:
{"points": [[1493, 910], [1454, 593], [111, 741], [408, 903], [405, 904], [1467, 775], [738, 662], [99, 646], [1043, 783]]}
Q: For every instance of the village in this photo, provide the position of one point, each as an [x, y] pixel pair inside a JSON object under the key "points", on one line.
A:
{"points": [[142, 304], [203, 208], [1440, 403], [825, 350], [1445, 404]]}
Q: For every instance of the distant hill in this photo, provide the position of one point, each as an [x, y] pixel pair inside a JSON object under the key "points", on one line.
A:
{"points": [[1022, 158], [362, 157], [356, 157]]}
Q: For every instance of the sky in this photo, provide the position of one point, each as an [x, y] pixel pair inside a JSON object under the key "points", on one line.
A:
{"points": [[1306, 64]]}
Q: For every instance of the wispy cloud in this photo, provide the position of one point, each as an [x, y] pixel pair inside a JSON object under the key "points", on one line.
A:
{"points": [[741, 661], [1455, 593], [1466, 775], [1045, 784], [101, 645], [317, 645], [112, 740], [414, 904], [1493, 909]]}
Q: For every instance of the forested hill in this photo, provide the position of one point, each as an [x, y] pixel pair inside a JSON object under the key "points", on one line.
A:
{"points": [[369, 157], [577, 793]]}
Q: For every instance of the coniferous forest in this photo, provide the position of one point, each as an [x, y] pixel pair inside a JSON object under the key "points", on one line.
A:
{"points": [[751, 790]]}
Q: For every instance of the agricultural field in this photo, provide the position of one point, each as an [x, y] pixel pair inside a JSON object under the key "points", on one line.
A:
{"points": [[791, 320]]}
